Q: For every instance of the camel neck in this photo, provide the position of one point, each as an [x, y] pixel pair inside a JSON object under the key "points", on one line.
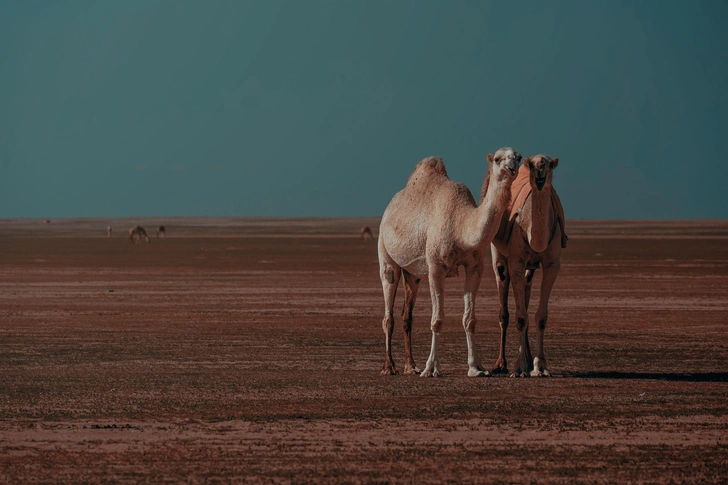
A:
{"points": [[484, 221], [539, 230]]}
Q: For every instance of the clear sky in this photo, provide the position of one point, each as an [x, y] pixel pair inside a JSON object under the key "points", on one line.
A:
{"points": [[322, 108]]}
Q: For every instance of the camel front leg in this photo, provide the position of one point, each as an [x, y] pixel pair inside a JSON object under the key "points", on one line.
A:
{"points": [[550, 272], [473, 275], [390, 275], [529, 283], [437, 292], [411, 285], [503, 281], [518, 282]]}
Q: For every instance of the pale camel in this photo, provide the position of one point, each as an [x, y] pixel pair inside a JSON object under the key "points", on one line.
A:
{"points": [[161, 230], [531, 235], [366, 233], [431, 228], [108, 231], [136, 234]]}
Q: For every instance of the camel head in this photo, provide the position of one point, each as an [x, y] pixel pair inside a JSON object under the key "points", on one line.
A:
{"points": [[505, 163], [541, 168]]}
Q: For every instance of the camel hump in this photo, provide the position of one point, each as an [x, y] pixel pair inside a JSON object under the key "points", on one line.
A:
{"points": [[435, 164], [427, 167]]}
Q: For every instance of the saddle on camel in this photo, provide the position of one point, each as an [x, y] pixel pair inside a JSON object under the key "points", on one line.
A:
{"points": [[520, 191]]}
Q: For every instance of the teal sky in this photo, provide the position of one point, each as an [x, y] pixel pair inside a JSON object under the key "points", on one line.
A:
{"points": [[322, 108]]}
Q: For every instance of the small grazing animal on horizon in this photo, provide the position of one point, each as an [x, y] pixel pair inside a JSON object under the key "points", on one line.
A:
{"points": [[366, 233], [431, 228], [108, 231], [136, 234], [531, 235], [161, 231]]}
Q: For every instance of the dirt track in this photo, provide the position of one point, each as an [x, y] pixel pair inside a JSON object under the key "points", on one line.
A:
{"points": [[249, 351]]}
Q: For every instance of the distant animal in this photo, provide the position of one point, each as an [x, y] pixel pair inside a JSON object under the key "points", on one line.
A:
{"points": [[46, 221], [531, 235], [366, 233], [108, 231], [136, 234], [161, 231], [431, 228]]}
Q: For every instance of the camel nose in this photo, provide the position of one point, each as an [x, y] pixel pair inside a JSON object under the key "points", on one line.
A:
{"points": [[540, 179]]}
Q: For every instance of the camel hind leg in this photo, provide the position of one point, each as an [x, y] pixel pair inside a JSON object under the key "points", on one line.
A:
{"points": [[389, 273], [411, 285], [517, 269], [503, 281]]}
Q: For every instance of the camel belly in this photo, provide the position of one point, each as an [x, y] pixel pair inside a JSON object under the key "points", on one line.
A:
{"points": [[417, 267]]}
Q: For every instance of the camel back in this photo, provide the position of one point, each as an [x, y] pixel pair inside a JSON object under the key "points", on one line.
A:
{"points": [[520, 190]]}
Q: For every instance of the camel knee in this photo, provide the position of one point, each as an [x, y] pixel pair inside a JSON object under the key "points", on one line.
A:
{"points": [[436, 325], [388, 324], [521, 323], [503, 318], [501, 272], [542, 323], [470, 325], [407, 323], [388, 275]]}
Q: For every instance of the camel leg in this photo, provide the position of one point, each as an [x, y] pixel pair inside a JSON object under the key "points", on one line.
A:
{"points": [[503, 281], [473, 275], [390, 273], [550, 272], [518, 282], [437, 293], [529, 282], [411, 285]]}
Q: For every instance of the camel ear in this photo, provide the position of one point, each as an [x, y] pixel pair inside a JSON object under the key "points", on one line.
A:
{"points": [[527, 162], [489, 157], [554, 162]]}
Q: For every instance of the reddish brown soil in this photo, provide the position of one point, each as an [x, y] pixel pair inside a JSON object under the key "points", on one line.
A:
{"points": [[249, 351]]}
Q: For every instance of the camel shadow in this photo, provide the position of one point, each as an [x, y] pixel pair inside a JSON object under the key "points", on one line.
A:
{"points": [[659, 376]]}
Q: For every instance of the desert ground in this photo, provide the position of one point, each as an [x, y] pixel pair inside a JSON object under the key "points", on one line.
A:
{"points": [[249, 351]]}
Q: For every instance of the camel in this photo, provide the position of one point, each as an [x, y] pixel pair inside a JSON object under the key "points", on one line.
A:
{"points": [[366, 233], [108, 231], [531, 235], [136, 234], [431, 228], [161, 230]]}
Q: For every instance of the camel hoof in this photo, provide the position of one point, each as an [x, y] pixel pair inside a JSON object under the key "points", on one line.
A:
{"points": [[389, 371], [478, 373], [519, 374], [499, 370], [431, 373], [408, 370], [538, 373]]}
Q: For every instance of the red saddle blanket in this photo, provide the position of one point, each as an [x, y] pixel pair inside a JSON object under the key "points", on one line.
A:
{"points": [[520, 191]]}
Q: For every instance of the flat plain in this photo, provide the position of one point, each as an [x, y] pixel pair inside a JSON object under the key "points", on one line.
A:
{"points": [[249, 351]]}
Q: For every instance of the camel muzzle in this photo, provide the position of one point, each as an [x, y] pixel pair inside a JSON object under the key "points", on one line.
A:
{"points": [[540, 182]]}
